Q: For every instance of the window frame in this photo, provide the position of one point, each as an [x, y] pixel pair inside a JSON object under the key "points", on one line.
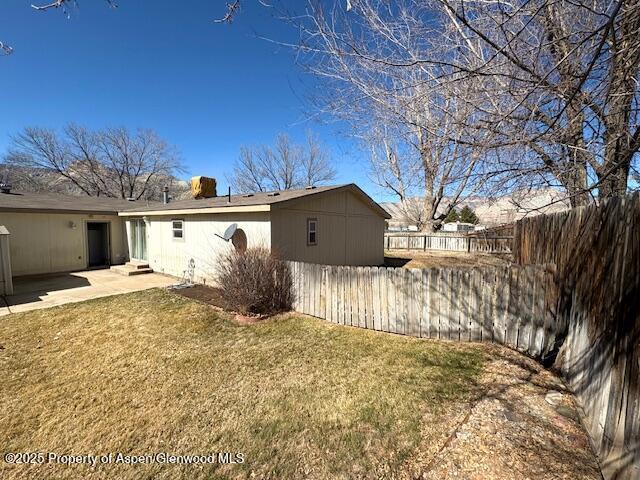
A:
{"points": [[309, 231], [174, 230]]}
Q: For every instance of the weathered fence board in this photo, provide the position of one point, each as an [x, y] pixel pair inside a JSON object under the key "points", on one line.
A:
{"points": [[450, 304], [475, 332], [594, 252], [575, 292], [424, 318]]}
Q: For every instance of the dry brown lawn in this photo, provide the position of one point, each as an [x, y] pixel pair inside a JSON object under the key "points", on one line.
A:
{"points": [[152, 372], [442, 259]]}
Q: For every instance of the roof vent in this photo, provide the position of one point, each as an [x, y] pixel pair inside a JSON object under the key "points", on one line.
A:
{"points": [[246, 195], [131, 199], [310, 187], [5, 187], [273, 194]]}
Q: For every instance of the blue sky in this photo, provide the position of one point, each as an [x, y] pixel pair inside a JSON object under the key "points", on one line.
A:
{"points": [[206, 88]]}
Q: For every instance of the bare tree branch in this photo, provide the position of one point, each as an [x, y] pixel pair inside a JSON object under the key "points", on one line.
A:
{"points": [[282, 167], [112, 162], [527, 92], [232, 10]]}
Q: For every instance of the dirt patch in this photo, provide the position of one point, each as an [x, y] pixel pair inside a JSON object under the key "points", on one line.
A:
{"points": [[204, 294], [213, 296], [522, 423], [443, 259]]}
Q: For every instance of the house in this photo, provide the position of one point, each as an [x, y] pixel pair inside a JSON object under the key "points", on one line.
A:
{"points": [[337, 225], [59, 233], [459, 227]]}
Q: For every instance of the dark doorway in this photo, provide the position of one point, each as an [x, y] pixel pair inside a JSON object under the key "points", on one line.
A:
{"points": [[98, 244]]}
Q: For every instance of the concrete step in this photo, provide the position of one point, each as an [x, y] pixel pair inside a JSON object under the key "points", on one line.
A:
{"points": [[137, 264], [129, 270]]}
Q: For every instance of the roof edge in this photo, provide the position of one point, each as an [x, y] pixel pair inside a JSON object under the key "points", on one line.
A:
{"points": [[196, 211], [55, 210], [352, 187]]}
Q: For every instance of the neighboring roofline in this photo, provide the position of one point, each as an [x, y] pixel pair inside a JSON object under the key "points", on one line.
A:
{"points": [[58, 203], [57, 210], [196, 211]]}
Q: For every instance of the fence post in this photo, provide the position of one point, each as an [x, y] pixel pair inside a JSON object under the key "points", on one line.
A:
{"points": [[515, 246], [6, 279]]}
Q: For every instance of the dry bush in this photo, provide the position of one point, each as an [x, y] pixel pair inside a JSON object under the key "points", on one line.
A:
{"points": [[255, 281]]}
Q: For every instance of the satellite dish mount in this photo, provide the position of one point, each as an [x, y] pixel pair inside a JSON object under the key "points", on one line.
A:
{"points": [[228, 233]]}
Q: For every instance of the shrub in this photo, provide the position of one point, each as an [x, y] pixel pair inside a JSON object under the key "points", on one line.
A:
{"points": [[255, 281]]}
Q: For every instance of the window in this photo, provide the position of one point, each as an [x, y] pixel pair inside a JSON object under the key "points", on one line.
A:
{"points": [[177, 229], [312, 231]]}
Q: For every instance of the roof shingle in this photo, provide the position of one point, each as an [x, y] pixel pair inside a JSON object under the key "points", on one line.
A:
{"points": [[28, 201], [44, 201], [258, 198]]}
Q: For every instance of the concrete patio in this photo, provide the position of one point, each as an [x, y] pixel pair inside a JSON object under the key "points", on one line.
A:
{"points": [[34, 292]]}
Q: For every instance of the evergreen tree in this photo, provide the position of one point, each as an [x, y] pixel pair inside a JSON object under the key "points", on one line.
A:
{"points": [[468, 216], [452, 216]]}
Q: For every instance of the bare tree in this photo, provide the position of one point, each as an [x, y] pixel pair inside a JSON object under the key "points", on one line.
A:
{"points": [[280, 164], [247, 172], [417, 129], [556, 83], [527, 93], [315, 167], [565, 77], [282, 167], [112, 162]]}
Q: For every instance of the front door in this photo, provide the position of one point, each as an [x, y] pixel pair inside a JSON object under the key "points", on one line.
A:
{"points": [[138, 240], [98, 244]]}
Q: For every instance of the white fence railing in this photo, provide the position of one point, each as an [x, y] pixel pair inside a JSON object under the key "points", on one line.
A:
{"points": [[455, 243]]}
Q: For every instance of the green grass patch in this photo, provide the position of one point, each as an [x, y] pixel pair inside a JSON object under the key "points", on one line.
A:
{"points": [[155, 372]]}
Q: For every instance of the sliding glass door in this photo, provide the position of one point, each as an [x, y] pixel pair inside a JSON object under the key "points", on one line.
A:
{"points": [[138, 234]]}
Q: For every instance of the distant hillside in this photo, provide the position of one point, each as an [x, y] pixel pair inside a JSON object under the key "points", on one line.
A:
{"points": [[510, 208], [44, 180], [496, 211]]}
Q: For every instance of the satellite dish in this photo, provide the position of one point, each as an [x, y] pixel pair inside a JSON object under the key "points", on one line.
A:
{"points": [[228, 233]]}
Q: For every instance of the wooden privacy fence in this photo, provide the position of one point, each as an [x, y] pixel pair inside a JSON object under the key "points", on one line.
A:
{"points": [[596, 253], [455, 243], [513, 306]]}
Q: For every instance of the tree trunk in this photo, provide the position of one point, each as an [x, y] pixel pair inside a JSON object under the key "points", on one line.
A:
{"points": [[429, 204], [575, 167], [620, 143]]}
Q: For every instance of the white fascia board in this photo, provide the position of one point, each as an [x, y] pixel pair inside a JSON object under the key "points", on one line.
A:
{"points": [[197, 211]]}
